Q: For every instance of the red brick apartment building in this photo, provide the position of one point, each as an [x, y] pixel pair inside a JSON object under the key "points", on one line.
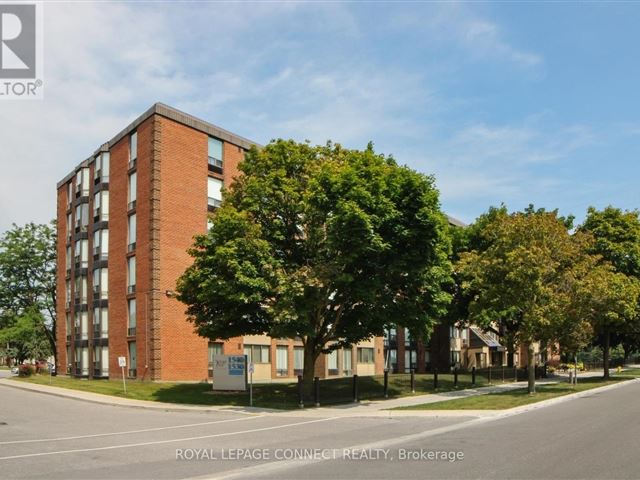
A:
{"points": [[126, 217]]}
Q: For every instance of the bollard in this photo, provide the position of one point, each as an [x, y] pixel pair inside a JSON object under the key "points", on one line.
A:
{"points": [[455, 377], [413, 381], [355, 388], [386, 384], [300, 392], [473, 376], [316, 390], [435, 378]]}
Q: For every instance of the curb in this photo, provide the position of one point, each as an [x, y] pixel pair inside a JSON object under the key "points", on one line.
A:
{"points": [[101, 399]]}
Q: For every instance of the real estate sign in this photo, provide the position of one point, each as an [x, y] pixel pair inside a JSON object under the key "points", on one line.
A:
{"points": [[230, 372]]}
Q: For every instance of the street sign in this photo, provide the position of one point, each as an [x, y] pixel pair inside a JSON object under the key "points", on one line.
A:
{"points": [[251, 368], [122, 362]]}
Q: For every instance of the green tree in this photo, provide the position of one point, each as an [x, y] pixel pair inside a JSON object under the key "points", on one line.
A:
{"points": [[517, 279], [26, 339], [28, 277], [617, 242], [321, 243]]}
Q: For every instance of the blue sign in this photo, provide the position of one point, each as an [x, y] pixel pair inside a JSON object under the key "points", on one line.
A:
{"points": [[236, 365]]}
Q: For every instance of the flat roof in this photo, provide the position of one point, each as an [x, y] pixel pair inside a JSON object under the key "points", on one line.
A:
{"points": [[172, 114], [455, 222]]}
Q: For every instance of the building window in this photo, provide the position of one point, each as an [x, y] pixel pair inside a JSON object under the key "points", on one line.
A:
{"points": [[82, 361], [81, 290], [131, 318], [100, 361], [215, 155], [455, 358], [131, 275], [332, 362], [392, 360], [101, 206], [133, 148], [133, 191], [298, 360], [67, 287], [69, 226], [347, 369], [67, 259], [67, 325], [101, 284], [131, 238], [133, 359], [214, 193], [282, 361], [100, 322], [82, 217], [82, 182], [365, 355], [410, 360], [81, 258], [407, 337], [82, 325], [257, 353], [101, 168], [69, 194], [101, 244], [215, 349]]}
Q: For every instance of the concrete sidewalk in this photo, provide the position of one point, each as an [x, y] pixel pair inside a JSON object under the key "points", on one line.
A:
{"points": [[364, 408]]}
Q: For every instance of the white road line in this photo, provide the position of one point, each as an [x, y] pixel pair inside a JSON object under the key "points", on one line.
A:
{"points": [[160, 442], [129, 432]]}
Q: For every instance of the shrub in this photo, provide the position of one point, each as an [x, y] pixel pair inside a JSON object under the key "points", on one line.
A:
{"points": [[26, 370]]}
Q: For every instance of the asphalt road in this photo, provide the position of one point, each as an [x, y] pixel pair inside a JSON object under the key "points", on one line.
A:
{"points": [[42, 436]]}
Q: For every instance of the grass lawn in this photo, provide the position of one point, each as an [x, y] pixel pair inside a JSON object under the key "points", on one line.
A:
{"points": [[517, 398], [273, 395]]}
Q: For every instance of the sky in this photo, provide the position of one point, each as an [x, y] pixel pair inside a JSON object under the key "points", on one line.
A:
{"points": [[513, 103]]}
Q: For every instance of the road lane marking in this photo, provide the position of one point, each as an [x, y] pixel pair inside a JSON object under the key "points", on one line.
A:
{"points": [[129, 432], [161, 442]]}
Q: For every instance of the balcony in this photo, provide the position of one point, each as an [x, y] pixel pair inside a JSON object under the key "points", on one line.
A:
{"points": [[99, 215], [82, 192], [98, 254], [99, 177]]}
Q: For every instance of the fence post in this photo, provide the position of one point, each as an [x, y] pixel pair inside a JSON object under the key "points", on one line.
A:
{"points": [[386, 384], [503, 373], [300, 392], [455, 377], [316, 390], [355, 388], [435, 378], [413, 381], [489, 374], [473, 376]]}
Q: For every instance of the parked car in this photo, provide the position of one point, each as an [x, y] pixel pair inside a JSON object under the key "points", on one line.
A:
{"points": [[15, 370]]}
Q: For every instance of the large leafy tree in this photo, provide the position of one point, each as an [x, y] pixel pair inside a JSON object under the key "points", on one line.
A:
{"points": [[25, 338], [321, 243], [517, 279], [616, 236], [28, 277]]}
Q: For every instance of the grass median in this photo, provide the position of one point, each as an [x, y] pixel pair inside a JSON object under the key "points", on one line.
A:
{"points": [[520, 397], [269, 395]]}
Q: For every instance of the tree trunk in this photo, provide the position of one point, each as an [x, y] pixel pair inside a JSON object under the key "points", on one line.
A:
{"points": [[510, 354], [311, 353], [605, 352], [531, 367]]}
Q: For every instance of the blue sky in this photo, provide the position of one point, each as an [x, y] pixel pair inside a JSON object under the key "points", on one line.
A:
{"points": [[503, 102]]}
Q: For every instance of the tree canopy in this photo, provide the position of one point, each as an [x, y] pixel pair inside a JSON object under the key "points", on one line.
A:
{"points": [[322, 243]]}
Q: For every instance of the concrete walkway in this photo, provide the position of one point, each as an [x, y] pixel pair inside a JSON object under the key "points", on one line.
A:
{"points": [[364, 408]]}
